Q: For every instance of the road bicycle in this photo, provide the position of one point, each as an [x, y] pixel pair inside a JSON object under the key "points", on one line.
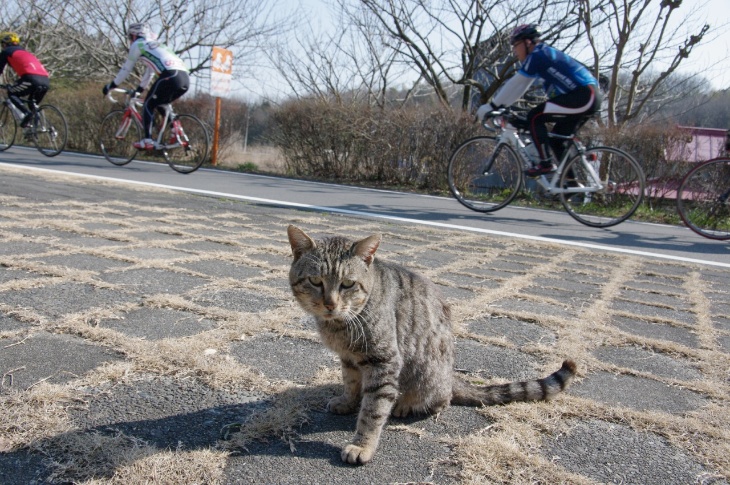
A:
{"points": [[599, 186], [182, 139], [47, 128], [703, 199]]}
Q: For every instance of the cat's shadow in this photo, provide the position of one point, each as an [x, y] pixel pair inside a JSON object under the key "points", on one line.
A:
{"points": [[318, 435]]}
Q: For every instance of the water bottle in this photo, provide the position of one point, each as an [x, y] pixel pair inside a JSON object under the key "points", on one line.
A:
{"points": [[531, 151], [16, 111]]}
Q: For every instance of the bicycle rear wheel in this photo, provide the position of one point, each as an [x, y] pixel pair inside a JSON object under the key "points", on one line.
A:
{"points": [[8, 128], [703, 199], [116, 135], [623, 185], [484, 175], [187, 144], [50, 132]]}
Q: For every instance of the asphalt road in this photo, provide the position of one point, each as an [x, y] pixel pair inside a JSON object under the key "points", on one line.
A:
{"points": [[654, 240], [139, 326]]}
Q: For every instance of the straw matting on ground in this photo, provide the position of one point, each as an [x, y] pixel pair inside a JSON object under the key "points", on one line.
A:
{"points": [[148, 336]]}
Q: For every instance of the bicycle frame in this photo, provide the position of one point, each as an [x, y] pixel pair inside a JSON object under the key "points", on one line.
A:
{"points": [[509, 135], [132, 115], [13, 108]]}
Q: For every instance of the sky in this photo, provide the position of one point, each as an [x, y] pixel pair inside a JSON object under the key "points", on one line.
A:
{"points": [[711, 60]]}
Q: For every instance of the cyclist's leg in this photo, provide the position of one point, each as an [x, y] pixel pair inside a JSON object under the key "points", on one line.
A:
{"points": [[20, 89], [536, 120], [151, 103], [36, 93], [569, 111], [166, 89], [180, 81], [40, 88]]}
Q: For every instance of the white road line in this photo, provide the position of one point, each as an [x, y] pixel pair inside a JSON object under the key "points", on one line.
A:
{"points": [[383, 216]]}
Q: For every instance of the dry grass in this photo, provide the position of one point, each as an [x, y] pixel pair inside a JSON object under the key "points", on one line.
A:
{"points": [[123, 460], [265, 158]]}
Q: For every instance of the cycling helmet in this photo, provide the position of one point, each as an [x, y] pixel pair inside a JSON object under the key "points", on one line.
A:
{"points": [[10, 38], [139, 29], [525, 31]]}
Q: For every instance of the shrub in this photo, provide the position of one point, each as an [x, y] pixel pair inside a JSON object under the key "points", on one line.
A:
{"points": [[394, 146], [83, 107], [649, 144]]}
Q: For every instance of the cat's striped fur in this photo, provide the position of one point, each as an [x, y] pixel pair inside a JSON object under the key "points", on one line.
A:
{"points": [[392, 331]]}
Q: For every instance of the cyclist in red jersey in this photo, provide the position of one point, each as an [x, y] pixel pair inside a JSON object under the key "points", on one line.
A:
{"points": [[32, 76]]}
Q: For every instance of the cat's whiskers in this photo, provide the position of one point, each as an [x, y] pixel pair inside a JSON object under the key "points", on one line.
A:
{"points": [[354, 322]]}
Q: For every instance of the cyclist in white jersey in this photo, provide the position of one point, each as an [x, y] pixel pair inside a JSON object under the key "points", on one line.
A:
{"points": [[172, 76]]}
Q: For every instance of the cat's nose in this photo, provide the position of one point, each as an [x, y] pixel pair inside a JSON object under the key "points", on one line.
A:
{"points": [[330, 302]]}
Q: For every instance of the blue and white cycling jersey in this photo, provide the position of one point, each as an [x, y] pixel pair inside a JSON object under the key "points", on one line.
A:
{"points": [[560, 73]]}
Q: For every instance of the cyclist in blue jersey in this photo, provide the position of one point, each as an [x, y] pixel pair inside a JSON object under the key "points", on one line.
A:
{"points": [[172, 76], [572, 92]]}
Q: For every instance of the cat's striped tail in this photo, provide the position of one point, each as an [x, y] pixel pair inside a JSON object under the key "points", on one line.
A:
{"points": [[466, 394]]}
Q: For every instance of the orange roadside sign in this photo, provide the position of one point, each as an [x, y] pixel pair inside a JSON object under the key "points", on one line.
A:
{"points": [[222, 60]]}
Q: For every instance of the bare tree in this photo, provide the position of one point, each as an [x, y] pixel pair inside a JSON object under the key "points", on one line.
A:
{"points": [[446, 42], [635, 39], [349, 63], [88, 37]]}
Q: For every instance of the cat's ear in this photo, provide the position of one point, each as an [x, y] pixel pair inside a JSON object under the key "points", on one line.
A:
{"points": [[366, 248], [300, 242]]}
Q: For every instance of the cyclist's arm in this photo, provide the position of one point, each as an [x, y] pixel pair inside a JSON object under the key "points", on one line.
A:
{"points": [[513, 89], [146, 77], [128, 66], [3, 61]]}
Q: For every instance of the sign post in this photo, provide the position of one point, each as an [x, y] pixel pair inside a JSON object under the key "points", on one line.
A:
{"points": [[220, 85]]}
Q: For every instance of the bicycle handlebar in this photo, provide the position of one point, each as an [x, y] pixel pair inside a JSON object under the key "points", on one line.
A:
{"points": [[496, 120], [110, 95], [493, 121], [128, 92]]}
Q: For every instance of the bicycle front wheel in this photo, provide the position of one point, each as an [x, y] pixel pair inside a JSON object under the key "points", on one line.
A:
{"points": [[622, 185], [703, 199], [51, 131], [187, 144], [8, 128], [116, 135], [484, 175]]}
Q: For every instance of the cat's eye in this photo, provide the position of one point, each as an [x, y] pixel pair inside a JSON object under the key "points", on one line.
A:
{"points": [[347, 284], [315, 280]]}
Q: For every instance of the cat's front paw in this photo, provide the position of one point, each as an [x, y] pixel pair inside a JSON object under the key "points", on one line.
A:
{"points": [[357, 455], [342, 405]]}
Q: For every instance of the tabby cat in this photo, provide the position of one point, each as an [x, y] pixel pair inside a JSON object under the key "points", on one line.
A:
{"points": [[391, 329]]}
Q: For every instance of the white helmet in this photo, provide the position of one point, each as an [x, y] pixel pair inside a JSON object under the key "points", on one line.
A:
{"points": [[140, 29]]}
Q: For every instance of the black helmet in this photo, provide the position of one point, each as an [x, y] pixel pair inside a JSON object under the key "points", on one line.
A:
{"points": [[525, 31]]}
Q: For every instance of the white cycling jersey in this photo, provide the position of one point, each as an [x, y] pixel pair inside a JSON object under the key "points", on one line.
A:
{"points": [[155, 55]]}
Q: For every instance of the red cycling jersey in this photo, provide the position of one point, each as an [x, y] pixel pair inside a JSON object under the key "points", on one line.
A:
{"points": [[22, 62]]}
